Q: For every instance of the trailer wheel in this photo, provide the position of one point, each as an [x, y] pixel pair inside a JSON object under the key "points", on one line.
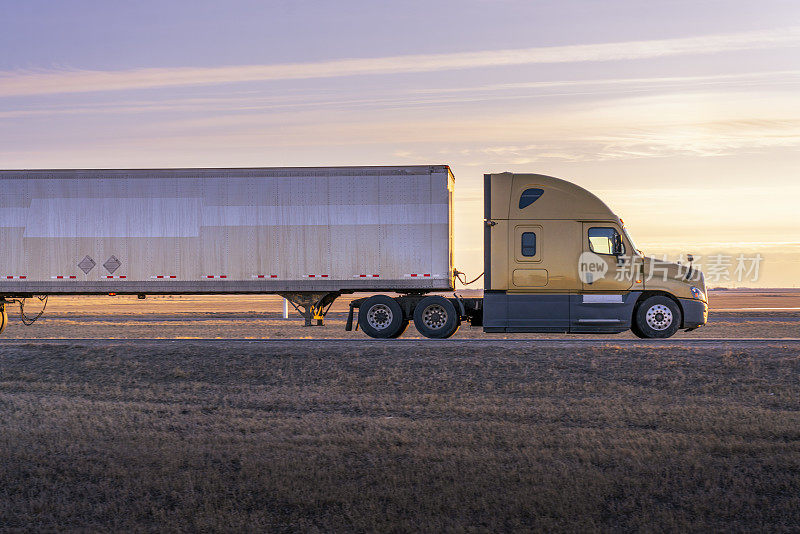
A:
{"points": [[656, 317], [381, 317], [3, 318], [436, 318]]}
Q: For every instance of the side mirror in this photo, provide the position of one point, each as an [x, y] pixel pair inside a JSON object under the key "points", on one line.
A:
{"points": [[618, 245]]}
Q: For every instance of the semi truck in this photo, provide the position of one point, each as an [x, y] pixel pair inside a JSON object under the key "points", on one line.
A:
{"points": [[556, 258]]}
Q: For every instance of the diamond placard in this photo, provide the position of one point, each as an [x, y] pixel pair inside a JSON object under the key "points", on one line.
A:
{"points": [[112, 264], [86, 264]]}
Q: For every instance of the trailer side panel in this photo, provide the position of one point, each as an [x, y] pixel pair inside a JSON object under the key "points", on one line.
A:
{"points": [[226, 230]]}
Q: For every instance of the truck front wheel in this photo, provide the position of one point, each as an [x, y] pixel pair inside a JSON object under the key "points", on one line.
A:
{"points": [[381, 317], [436, 317], [656, 317]]}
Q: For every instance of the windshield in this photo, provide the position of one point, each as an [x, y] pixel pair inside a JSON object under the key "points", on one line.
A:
{"points": [[631, 241]]}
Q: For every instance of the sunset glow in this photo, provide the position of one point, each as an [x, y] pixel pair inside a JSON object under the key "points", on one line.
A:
{"points": [[689, 130]]}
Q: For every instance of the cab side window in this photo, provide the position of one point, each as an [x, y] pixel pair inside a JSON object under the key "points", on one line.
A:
{"points": [[528, 244], [529, 196], [605, 240]]}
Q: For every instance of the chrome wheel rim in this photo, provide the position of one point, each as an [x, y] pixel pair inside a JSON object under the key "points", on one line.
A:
{"points": [[380, 316], [659, 317], [434, 317]]}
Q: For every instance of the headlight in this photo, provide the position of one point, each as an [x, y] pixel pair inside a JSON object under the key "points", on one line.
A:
{"points": [[699, 295]]}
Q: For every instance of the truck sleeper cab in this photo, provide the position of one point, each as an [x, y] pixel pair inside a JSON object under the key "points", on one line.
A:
{"points": [[556, 259]]}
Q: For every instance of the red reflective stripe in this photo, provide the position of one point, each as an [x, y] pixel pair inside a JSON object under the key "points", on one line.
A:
{"points": [[160, 276], [375, 275], [173, 276], [413, 274], [23, 277], [324, 276], [425, 275], [73, 277], [273, 276], [224, 276], [362, 275], [209, 276]]}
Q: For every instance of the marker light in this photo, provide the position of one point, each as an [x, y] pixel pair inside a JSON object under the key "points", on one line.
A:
{"points": [[699, 295]]}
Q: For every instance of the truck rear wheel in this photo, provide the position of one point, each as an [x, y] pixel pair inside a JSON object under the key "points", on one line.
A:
{"points": [[656, 317], [436, 318], [381, 317]]}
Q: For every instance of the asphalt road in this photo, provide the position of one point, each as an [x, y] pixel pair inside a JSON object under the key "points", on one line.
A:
{"points": [[560, 341]]}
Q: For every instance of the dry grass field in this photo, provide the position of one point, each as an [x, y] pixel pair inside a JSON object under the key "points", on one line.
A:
{"points": [[472, 434], [352, 436]]}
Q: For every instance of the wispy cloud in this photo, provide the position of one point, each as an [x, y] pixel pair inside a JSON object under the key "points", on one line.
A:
{"points": [[614, 128], [742, 79], [227, 102], [15, 83]]}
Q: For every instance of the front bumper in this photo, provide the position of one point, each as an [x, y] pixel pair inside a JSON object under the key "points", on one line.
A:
{"points": [[695, 313]]}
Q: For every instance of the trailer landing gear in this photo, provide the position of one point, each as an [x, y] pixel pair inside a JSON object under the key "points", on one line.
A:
{"points": [[312, 306]]}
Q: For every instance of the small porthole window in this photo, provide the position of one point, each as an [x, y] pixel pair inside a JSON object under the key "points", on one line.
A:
{"points": [[529, 196], [528, 244]]}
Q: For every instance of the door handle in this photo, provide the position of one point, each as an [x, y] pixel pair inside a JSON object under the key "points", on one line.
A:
{"points": [[489, 223]]}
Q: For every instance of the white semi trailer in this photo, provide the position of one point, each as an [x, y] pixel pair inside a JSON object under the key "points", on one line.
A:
{"points": [[313, 234]]}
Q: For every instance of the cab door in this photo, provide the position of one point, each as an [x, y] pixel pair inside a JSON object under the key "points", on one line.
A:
{"points": [[605, 263], [605, 303]]}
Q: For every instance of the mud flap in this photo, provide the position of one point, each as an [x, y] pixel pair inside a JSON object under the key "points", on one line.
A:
{"points": [[349, 326]]}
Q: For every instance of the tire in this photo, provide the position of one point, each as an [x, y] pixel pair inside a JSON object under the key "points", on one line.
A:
{"points": [[656, 317], [635, 329], [381, 317], [436, 318], [3, 319], [403, 328]]}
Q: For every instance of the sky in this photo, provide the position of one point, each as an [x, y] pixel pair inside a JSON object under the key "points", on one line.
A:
{"points": [[684, 116]]}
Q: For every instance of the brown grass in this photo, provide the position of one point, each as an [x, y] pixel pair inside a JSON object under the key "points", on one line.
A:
{"points": [[398, 437]]}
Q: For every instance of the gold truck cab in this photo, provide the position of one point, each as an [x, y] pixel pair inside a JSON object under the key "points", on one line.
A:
{"points": [[557, 259]]}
